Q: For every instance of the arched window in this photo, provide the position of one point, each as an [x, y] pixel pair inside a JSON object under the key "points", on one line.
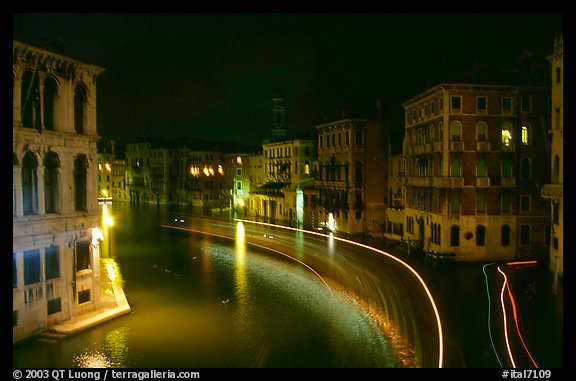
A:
{"points": [[480, 235], [358, 173], [456, 131], [51, 189], [50, 93], [525, 168], [455, 167], [80, 104], [30, 184], [455, 236], [30, 101], [506, 167], [506, 134], [525, 134], [481, 169], [80, 185], [481, 131], [505, 235]]}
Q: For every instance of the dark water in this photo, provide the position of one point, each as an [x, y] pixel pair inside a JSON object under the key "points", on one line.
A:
{"points": [[200, 301]]}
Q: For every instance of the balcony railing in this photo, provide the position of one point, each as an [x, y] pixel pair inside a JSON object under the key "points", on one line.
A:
{"points": [[482, 182], [419, 181], [508, 182], [448, 182], [457, 146], [482, 146], [510, 147]]}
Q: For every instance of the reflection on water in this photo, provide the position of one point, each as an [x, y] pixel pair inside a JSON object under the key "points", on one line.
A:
{"points": [[199, 301]]}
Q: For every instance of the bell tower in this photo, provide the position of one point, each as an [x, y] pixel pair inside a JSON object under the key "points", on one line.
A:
{"points": [[278, 118]]}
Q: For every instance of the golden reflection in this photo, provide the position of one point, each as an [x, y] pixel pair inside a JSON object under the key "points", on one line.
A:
{"points": [[240, 276], [117, 348]]}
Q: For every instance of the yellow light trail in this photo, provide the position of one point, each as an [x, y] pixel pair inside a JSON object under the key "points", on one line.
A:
{"points": [[428, 293], [253, 244]]}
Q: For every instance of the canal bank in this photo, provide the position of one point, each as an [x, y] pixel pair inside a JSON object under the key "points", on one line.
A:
{"points": [[114, 304]]}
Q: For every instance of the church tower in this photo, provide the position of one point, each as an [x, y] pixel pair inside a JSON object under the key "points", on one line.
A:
{"points": [[278, 118]]}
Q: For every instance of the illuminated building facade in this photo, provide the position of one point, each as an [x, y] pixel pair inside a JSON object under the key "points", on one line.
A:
{"points": [[56, 232], [160, 174], [287, 169], [474, 161], [111, 173], [352, 178], [554, 190], [237, 174], [286, 172]]}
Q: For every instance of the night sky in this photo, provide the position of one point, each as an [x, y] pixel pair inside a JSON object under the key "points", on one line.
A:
{"points": [[212, 76]]}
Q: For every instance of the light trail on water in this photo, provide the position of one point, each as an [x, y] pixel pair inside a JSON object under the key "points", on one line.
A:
{"points": [[420, 279]]}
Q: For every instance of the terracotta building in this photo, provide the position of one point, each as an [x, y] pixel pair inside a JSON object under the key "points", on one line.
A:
{"points": [[352, 175], [475, 162]]}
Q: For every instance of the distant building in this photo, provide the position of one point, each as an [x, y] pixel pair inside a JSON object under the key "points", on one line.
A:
{"points": [[181, 175], [56, 220], [237, 174], [554, 190], [475, 160], [352, 175], [287, 171]]}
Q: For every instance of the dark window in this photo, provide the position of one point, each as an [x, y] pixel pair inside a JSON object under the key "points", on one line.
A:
{"points": [[456, 102], [525, 169], [83, 296], [80, 177], [455, 236], [54, 305], [82, 255], [481, 103], [51, 194], [505, 235], [506, 104], [50, 92], [526, 103], [52, 262], [30, 101], [555, 213], [31, 267], [30, 184], [525, 203], [480, 235]]}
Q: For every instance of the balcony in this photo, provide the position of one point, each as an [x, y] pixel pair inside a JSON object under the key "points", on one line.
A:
{"points": [[483, 146], [457, 146], [510, 147], [508, 182], [482, 182], [552, 190], [448, 182], [438, 147], [418, 181]]}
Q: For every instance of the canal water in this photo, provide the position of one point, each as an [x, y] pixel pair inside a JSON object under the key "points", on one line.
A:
{"points": [[199, 301]]}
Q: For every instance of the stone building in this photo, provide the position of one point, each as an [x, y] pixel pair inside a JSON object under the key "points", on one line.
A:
{"points": [[475, 163], [56, 220], [287, 172], [553, 191]]}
